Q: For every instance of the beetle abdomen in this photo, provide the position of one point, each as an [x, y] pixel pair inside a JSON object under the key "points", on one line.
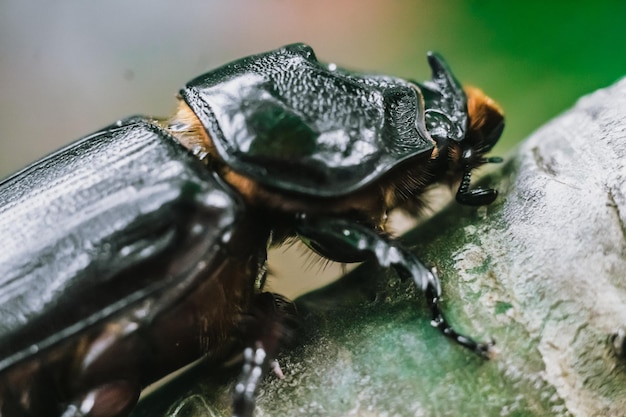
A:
{"points": [[75, 224]]}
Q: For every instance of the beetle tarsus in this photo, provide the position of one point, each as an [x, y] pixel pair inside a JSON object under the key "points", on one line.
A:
{"points": [[433, 297], [269, 327], [255, 360]]}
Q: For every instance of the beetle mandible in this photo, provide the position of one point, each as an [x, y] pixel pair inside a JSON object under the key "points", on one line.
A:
{"points": [[142, 247]]}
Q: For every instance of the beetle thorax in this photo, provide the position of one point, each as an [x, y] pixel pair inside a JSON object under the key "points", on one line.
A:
{"points": [[401, 186]]}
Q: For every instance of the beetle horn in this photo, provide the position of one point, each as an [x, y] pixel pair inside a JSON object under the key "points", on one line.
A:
{"points": [[442, 76], [452, 101]]}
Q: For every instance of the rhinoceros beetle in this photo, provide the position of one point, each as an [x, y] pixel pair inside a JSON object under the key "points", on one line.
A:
{"points": [[142, 247]]}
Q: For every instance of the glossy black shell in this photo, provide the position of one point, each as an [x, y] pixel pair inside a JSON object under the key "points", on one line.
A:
{"points": [[119, 224], [292, 123]]}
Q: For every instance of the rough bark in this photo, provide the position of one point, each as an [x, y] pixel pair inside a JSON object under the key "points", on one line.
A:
{"points": [[542, 271]]}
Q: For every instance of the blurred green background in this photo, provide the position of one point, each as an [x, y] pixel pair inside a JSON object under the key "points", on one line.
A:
{"points": [[68, 68]]}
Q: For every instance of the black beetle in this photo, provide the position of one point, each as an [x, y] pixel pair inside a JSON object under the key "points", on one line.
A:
{"points": [[142, 247]]}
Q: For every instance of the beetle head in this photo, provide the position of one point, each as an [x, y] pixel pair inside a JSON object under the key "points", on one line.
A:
{"points": [[485, 125], [465, 126]]}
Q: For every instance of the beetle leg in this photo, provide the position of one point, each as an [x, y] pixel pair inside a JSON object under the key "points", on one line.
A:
{"points": [[344, 241], [272, 319], [255, 360], [113, 399]]}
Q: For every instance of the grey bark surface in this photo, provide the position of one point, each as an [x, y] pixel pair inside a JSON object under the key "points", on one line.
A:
{"points": [[542, 271]]}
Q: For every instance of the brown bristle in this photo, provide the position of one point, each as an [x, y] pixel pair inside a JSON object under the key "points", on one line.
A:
{"points": [[481, 109], [188, 129]]}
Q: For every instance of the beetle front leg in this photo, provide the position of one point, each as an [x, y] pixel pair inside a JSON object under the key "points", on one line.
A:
{"points": [[344, 241], [433, 298]]}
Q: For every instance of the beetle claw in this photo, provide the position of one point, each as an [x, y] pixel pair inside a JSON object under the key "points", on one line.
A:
{"points": [[278, 372], [433, 298]]}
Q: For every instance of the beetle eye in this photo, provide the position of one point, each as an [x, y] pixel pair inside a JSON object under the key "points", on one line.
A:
{"points": [[440, 127]]}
